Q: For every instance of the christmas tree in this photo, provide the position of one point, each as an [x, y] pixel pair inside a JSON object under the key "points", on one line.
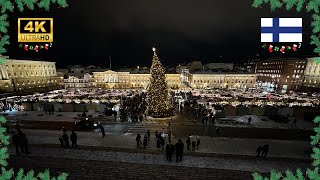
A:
{"points": [[157, 96]]}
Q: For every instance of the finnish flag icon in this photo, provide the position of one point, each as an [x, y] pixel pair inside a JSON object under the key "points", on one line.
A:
{"points": [[281, 29]]}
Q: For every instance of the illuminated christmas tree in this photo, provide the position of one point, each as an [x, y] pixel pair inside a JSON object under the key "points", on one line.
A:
{"points": [[157, 90]]}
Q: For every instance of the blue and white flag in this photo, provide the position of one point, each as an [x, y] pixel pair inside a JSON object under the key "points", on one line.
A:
{"points": [[281, 29]]}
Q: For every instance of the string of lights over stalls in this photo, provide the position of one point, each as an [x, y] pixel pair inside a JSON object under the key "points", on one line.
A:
{"points": [[36, 47]]}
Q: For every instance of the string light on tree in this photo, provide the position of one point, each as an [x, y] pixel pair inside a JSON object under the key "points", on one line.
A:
{"points": [[157, 94]]}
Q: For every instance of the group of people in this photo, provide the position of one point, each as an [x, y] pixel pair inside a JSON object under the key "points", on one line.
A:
{"points": [[146, 138], [64, 139], [263, 150], [160, 138], [171, 149], [133, 109], [176, 150], [195, 145]]}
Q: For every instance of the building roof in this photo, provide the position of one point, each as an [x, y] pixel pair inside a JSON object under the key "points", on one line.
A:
{"points": [[219, 72], [140, 71], [283, 59], [218, 64], [20, 61], [195, 63]]}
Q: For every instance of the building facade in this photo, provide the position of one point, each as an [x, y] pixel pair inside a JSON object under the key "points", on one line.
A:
{"points": [[28, 76], [200, 80], [79, 81], [130, 80], [311, 79], [281, 74]]}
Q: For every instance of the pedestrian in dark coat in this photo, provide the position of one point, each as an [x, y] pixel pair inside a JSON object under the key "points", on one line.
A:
{"points": [[179, 150], [213, 119], [193, 145], [188, 142], [15, 140], [65, 139], [198, 143], [162, 142], [23, 142], [156, 134], [138, 140], [169, 152], [218, 131], [295, 121], [73, 138], [158, 142], [258, 151], [265, 150], [102, 131], [61, 141], [249, 120], [145, 141], [148, 133]]}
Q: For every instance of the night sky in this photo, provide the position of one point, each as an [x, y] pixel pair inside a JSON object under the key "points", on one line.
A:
{"points": [[181, 30]]}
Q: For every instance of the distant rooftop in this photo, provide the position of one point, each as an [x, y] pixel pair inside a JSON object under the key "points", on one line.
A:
{"points": [[140, 71], [220, 72]]}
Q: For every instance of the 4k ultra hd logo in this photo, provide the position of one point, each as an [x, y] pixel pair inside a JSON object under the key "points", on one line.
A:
{"points": [[35, 29]]}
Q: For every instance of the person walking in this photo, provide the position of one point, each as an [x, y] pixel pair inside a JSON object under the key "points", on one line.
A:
{"points": [[249, 120], [73, 139], [213, 119], [193, 145], [148, 134], [15, 140], [145, 141], [138, 140], [23, 142], [198, 143], [102, 131], [61, 141], [217, 131], [265, 150], [169, 152], [162, 142], [156, 134], [179, 150], [65, 139], [258, 151], [294, 121], [188, 142]]}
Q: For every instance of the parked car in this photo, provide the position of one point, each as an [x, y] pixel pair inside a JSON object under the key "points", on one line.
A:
{"points": [[86, 124]]}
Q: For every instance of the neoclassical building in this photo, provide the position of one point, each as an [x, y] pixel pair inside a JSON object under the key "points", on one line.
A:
{"points": [[128, 80], [26, 75], [79, 81], [311, 79], [207, 79]]}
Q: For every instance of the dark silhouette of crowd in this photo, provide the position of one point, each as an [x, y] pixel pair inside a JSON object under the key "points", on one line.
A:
{"points": [[263, 150], [133, 108], [64, 139]]}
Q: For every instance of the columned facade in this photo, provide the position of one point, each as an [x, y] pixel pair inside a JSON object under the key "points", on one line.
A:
{"points": [[28, 76]]}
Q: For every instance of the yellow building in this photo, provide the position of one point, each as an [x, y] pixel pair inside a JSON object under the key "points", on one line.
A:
{"points": [[130, 80], [26, 75], [221, 80], [311, 80]]}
